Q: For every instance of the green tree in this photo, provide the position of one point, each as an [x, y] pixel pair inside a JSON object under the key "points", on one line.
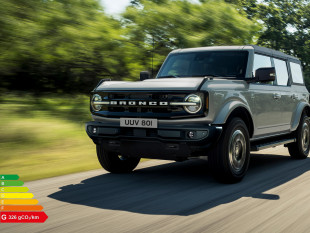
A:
{"points": [[57, 45], [174, 24], [285, 26]]}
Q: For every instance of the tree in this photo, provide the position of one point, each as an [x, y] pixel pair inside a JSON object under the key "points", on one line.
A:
{"points": [[59, 45], [285, 26], [179, 24]]}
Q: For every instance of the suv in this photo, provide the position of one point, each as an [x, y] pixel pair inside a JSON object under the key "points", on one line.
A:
{"points": [[219, 102]]}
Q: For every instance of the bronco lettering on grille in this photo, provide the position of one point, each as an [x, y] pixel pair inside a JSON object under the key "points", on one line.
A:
{"points": [[139, 103]]}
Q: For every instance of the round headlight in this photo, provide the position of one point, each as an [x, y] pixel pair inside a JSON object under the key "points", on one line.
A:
{"points": [[96, 98], [194, 104]]}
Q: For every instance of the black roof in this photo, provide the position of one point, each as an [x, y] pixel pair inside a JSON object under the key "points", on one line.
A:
{"points": [[257, 49], [273, 53]]}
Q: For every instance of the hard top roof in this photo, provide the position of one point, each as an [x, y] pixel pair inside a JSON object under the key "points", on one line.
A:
{"points": [[273, 53], [257, 49]]}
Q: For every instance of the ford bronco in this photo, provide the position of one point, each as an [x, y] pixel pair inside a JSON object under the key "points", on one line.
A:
{"points": [[217, 103]]}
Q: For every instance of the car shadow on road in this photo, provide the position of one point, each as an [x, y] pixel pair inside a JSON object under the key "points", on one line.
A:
{"points": [[181, 188]]}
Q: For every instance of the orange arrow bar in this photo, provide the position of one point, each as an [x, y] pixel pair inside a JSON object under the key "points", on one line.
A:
{"points": [[18, 201], [21, 208]]}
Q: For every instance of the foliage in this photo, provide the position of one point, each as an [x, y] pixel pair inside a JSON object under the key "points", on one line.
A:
{"points": [[285, 26], [56, 45], [180, 24], [69, 45]]}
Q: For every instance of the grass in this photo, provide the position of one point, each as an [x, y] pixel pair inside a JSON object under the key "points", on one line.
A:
{"points": [[43, 137]]}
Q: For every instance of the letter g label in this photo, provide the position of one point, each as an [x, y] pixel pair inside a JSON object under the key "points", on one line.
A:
{"points": [[3, 217]]}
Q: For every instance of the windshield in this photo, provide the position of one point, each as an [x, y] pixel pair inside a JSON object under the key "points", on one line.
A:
{"points": [[201, 64]]}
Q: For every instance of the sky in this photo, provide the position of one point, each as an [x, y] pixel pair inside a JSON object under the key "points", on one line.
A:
{"points": [[114, 7]]}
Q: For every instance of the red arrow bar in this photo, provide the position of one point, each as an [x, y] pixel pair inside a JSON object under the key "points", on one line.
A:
{"points": [[23, 217]]}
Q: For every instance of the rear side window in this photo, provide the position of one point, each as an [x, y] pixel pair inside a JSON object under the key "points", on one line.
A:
{"points": [[281, 71], [296, 73], [261, 61]]}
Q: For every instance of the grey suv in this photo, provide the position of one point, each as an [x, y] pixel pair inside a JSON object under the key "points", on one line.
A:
{"points": [[218, 103]]}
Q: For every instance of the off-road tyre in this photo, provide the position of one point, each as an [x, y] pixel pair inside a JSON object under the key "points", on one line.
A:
{"points": [[114, 163], [229, 158], [300, 148]]}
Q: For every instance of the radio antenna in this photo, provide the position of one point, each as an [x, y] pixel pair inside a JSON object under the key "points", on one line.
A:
{"points": [[153, 57]]}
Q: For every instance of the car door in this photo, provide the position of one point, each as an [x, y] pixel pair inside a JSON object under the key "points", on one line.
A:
{"points": [[287, 102], [266, 111]]}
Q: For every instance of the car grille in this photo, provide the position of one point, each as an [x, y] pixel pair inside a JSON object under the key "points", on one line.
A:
{"points": [[143, 97], [146, 111]]}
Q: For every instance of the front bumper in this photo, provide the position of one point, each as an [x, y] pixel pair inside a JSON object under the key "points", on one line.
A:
{"points": [[170, 140]]}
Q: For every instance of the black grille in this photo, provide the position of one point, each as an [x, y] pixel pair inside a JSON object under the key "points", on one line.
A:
{"points": [[143, 97], [146, 111]]}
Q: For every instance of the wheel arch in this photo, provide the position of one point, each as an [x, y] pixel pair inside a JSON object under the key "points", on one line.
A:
{"points": [[303, 107], [236, 109]]}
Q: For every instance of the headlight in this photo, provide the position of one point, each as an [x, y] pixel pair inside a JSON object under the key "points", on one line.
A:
{"points": [[96, 98], [196, 102]]}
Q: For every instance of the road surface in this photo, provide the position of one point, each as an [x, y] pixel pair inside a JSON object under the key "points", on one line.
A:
{"points": [[163, 196]]}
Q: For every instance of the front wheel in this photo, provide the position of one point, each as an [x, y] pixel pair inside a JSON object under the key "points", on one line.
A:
{"points": [[229, 159], [300, 148], [115, 163]]}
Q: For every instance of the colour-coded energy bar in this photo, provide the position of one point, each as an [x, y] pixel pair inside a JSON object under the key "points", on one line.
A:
{"points": [[18, 201], [9, 177], [11, 183], [21, 208], [16, 195], [22, 217], [14, 190]]}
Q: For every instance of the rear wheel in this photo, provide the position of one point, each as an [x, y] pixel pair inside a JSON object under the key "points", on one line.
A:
{"points": [[229, 159], [300, 148], [116, 163]]}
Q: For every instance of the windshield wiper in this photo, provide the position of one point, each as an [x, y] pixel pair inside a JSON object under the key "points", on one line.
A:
{"points": [[211, 75], [169, 76], [219, 76]]}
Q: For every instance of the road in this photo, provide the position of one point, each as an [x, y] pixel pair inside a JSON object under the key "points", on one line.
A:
{"points": [[163, 196]]}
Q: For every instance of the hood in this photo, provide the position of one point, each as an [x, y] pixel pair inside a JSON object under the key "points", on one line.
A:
{"points": [[161, 84]]}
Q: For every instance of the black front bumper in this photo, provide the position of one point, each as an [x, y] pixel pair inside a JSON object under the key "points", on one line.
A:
{"points": [[169, 141]]}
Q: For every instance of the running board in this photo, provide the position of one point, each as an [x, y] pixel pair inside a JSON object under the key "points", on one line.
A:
{"points": [[263, 146]]}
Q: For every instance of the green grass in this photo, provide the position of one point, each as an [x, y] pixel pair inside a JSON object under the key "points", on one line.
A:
{"points": [[43, 137]]}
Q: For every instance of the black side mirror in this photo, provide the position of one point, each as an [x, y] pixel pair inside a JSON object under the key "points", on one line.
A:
{"points": [[144, 75], [265, 74]]}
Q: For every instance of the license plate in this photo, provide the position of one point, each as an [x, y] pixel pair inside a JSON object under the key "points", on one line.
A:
{"points": [[138, 122]]}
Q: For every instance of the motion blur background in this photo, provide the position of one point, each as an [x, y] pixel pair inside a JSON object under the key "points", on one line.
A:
{"points": [[53, 52]]}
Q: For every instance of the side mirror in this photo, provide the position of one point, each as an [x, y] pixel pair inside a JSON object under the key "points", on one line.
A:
{"points": [[265, 74], [144, 75]]}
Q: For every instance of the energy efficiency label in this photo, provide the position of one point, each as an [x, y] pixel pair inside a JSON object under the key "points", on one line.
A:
{"points": [[17, 204]]}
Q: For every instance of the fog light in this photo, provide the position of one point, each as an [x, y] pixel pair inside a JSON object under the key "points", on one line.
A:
{"points": [[191, 134], [94, 130]]}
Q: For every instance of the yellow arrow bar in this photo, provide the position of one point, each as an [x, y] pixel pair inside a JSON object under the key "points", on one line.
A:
{"points": [[16, 195]]}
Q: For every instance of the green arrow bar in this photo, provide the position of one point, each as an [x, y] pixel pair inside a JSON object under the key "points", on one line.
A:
{"points": [[14, 190], [9, 177], [11, 183]]}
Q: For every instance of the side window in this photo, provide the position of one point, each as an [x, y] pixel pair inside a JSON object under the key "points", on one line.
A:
{"points": [[281, 71], [261, 61], [296, 73]]}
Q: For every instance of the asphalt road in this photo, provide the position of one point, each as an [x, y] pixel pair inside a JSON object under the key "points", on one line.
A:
{"points": [[177, 197]]}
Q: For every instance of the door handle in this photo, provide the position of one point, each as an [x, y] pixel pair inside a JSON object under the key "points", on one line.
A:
{"points": [[277, 96], [294, 96]]}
